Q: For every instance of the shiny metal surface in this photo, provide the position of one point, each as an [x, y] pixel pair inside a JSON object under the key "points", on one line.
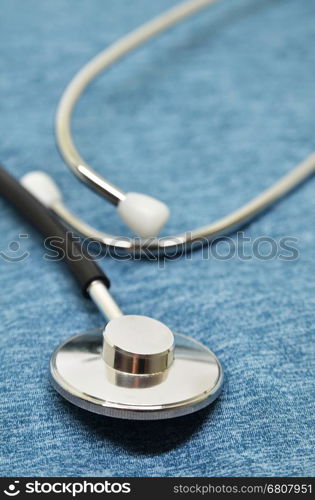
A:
{"points": [[138, 345], [81, 376], [101, 185]]}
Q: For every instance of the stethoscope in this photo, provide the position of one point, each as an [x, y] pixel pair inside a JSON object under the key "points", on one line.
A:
{"points": [[135, 368]]}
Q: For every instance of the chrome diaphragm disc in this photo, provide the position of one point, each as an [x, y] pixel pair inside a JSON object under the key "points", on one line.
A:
{"points": [[80, 374]]}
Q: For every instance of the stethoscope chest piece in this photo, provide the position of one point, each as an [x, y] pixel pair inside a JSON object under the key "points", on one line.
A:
{"points": [[136, 369]]}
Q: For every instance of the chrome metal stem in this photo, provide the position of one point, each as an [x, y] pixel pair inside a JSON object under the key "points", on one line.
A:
{"points": [[103, 300]]}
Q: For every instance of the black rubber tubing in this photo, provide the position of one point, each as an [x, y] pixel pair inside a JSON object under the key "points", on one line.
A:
{"points": [[82, 266]]}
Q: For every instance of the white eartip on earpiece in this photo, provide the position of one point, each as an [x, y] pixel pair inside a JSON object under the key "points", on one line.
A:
{"points": [[42, 186], [143, 214]]}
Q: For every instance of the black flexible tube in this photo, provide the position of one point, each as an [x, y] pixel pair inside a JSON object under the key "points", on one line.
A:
{"points": [[80, 263]]}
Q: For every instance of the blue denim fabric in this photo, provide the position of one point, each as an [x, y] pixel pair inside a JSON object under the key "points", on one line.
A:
{"points": [[204, 117]]}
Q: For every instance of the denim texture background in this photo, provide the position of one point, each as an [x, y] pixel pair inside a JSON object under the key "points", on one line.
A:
{"points": [[203, 117]]}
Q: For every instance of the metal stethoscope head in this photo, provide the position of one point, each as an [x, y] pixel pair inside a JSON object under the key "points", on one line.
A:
{"points": [[135, 368]]}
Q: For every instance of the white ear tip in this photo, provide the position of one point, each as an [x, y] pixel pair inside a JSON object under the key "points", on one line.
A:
{"points": [[42, 186], [143, 214]]}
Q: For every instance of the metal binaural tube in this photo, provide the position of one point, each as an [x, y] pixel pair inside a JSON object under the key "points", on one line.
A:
{"points": [[173, 243], [90, 71], [220, 227]]}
